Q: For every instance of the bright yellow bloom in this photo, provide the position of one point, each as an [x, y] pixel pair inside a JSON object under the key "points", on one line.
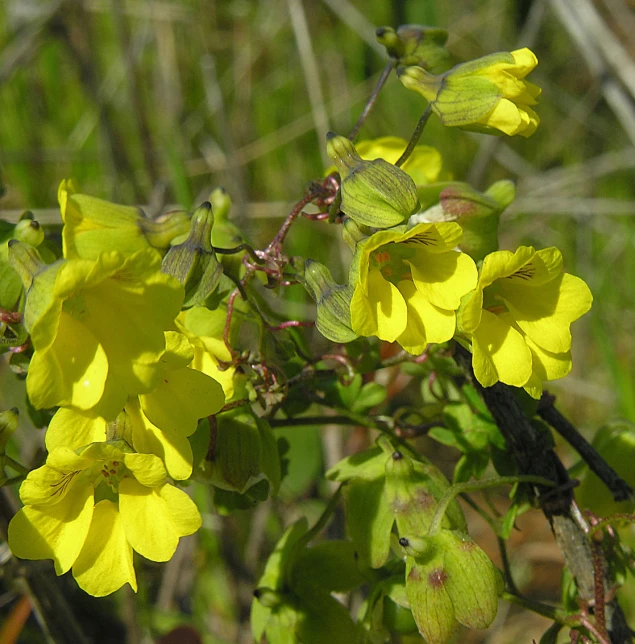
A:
{"points": [[409, 283], [158, 422], [519, 315], [62, 521], [204, 329], [97, 328], [486, 94], [92, 226], [424, 165]]}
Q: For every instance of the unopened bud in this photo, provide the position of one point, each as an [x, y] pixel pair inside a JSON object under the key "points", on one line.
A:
{"points": [[26, 261], [352, 234], [333, 303], [267, 597], [415, 546], [193, 262], [374, 193], [162, 231], [416, 45], [8, 425], [28, 230]]}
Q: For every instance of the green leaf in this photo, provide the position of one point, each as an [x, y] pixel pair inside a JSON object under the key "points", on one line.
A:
{"points": [[369, 519], [330, 566], [368, 465], [324, 620], [371, 395]]}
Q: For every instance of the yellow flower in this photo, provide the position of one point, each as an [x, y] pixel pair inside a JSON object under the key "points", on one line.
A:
{"points": [[519, 315], [158, 422], [97, 327], [92, 226], [486, 94], [138, 511], [409, 283], [204, 329]]}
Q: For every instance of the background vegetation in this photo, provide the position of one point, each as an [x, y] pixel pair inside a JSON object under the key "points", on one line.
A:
{"points": [[157, 102]]}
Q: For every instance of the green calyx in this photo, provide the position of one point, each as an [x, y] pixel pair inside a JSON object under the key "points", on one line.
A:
{"points": [[193, 262], [374, 193], [333, 302]]}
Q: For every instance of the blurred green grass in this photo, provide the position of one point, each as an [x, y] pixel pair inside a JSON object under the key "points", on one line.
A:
{"points": [[157, 102]]}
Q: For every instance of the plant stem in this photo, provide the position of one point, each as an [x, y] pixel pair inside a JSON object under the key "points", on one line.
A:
{"points": [[535, 607], [414, 139], [475, 486], [372, 99]]}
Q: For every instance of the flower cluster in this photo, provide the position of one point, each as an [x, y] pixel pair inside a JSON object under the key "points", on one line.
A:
{"points": [[130, 388], [428, 273]]}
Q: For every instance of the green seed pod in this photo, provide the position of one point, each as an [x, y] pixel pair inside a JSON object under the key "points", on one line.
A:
{"points": [[352, 234], [333, 303], [374, 193], [193, 262]]}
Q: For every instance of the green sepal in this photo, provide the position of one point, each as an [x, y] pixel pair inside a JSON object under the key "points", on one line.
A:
{"points": [[374, 193], [452, 581]]}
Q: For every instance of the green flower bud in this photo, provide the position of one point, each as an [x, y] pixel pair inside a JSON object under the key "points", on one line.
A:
{"points": [[221, 203], [162, 231], [333, 303], [416, 45], [374, 193], [415, 546], [193, 262], [453, 581], [28, 230], [352, 234], [268, 598], [26, 261], [8, 425]]}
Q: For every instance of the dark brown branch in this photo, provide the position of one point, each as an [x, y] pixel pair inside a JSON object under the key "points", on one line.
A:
{"points": [[619, 488], [569, 527]]}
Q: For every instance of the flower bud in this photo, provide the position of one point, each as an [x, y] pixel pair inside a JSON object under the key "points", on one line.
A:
{"points": [[487, 95], [26, 261], [416, 45], [374, 193], [8, 425], [352, 234], [267, 597], [333, 303], [193, 262], [28, 230], [162, 231]]}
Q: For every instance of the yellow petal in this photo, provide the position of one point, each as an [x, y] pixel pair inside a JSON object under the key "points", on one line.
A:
{"points": [[54, 532], [171, 447], [182, 397], [382, 312], [545, 313], [105, 562], [74, 429], [426, 322], [500, 353], [72, 371], [155, 519], [503, 263], [433, 237], [548, 365], [444, 278]]}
